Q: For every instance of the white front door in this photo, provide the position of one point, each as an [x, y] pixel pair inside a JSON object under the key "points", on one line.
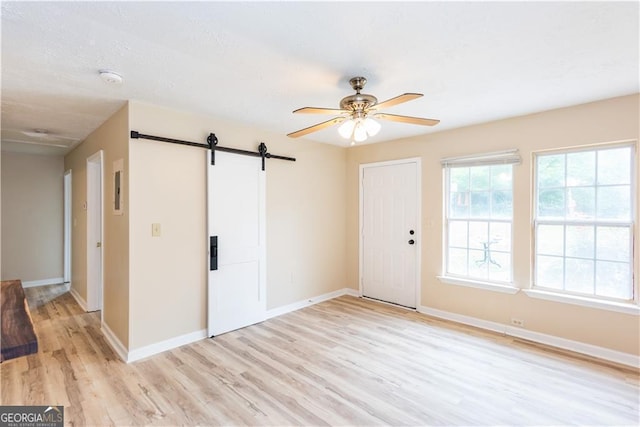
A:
{"points": [[94, 232], [390, 236], [236, 207]]}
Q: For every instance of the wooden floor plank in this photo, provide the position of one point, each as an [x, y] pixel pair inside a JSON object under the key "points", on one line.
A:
{"points": [[347, 361]]}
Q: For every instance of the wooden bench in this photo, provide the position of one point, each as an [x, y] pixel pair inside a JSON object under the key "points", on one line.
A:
{"points": [[17, 336]]}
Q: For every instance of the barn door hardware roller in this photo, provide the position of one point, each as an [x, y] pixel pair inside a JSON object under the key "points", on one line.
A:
{"points": [[212, 144]]}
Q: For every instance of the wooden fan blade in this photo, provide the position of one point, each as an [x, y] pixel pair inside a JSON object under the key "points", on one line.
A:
{"points": [[407, 119], [317, 110], [317, 127], [405, 97]]}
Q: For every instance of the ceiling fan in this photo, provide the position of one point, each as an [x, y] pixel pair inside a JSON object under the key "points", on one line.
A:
{"points": [[356, 114]]}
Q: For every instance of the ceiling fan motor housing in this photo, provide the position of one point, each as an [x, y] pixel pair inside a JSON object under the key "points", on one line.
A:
{"points": [[359, 102]]}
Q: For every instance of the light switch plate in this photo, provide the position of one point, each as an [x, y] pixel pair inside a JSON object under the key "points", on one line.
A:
{"points": [[155, 230]]}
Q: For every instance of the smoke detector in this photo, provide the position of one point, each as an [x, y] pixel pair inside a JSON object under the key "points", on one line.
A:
{"points": [[110, 77]]}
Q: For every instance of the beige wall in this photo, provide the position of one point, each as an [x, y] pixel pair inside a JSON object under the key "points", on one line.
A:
{"points": [[111, 137], [32, 217], [305, 220], [610, 120]]}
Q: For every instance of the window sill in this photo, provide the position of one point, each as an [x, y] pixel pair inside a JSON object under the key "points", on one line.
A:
{"points": [[506, 289], [619, 307]]}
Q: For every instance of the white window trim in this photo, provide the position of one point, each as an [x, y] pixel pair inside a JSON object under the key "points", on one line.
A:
{"points": [[620, 307], [629, 307], [478, 284]]}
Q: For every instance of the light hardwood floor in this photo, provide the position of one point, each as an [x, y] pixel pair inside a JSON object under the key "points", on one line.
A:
{"points": [[343, 362]]}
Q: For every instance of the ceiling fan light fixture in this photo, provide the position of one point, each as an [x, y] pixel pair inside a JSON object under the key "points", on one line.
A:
{"points": [[360, 132], [372, 127], [354, 114], [346, 129]]}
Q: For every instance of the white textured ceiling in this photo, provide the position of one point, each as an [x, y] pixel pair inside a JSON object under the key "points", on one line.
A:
{"points": [[255, 62]]}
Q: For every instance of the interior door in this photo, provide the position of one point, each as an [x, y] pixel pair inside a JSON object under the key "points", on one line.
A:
{"points": [[94, 232], [390, 239], [236, 202]]}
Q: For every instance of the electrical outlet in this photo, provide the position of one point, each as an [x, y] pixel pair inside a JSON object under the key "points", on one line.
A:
{"points": [[517, 322]]}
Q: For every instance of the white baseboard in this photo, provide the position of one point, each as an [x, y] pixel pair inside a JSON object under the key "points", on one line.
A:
{"points": [[576, 346], [550, 340], [81, 302], [152, 349], [279, 311], [43, 282], [171, 343], [352, 292], [114, 342], [465, 320], [149, 350]]}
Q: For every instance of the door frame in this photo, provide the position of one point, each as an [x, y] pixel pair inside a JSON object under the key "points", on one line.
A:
{"points": [[263, 236], [94, 205], [68, 191], [363, 166]]}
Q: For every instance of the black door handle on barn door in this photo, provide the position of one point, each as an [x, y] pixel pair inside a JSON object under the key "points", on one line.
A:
{"points": [[213, 253]]}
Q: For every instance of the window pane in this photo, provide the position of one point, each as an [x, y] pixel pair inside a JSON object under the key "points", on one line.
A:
{"points": [[480, 178], [479, 204], [549, 272], [479, 193], [478, 234], [614, 202], [458, 234], [551, 203], [581, 168], [457, 261], [501, 204], [478, 267], [550, 240], [500, 236], [613, 243], [580, 241], [579, 275], [459, 205], [612, 280], [500, 267], [584, 207], [501, 177], [581, 203], [459, 179], [614, 166], [551, 171]]}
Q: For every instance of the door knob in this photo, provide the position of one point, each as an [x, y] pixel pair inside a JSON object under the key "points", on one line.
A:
{"points": [[411, 232], [411, 242]]}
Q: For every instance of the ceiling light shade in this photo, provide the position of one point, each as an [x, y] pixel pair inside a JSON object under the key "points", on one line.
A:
{"points": [[346, 129], [372, 127], [360, 132]]}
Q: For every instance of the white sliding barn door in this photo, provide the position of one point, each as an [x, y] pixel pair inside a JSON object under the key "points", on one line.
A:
{"points": [[236, 210], [389, 240]]}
